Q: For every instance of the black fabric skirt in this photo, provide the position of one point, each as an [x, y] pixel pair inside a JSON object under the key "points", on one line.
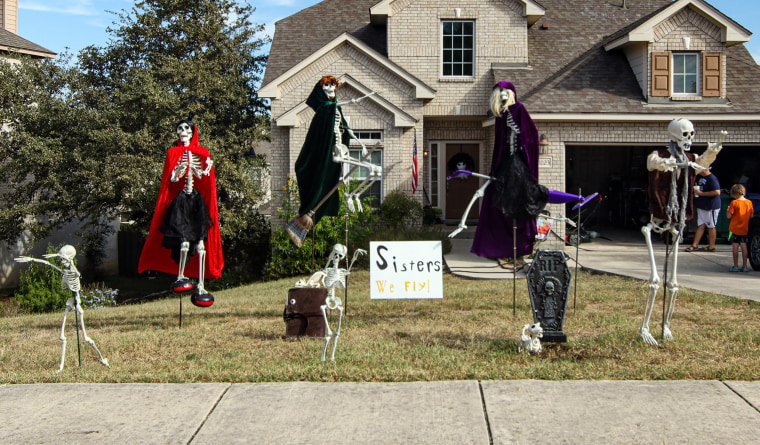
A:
{"points": [[516, 192], [186, 219]]}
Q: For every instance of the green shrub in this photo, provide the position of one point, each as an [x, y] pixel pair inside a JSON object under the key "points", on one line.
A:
{"points": [[40, 288], [288, 260], [399, 210], [246, 248]]}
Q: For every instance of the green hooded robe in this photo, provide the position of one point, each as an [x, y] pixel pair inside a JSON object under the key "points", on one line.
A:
{"points": [[316, 172]]}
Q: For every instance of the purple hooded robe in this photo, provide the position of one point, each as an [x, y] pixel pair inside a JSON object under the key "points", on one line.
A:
{"points": [[493, 236]]}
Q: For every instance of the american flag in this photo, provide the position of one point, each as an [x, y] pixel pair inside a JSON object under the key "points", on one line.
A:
{"points": [[414, 164]]}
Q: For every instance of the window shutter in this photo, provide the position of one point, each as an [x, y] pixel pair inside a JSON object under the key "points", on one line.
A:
{"points": [[711, 74], [661, 74]]}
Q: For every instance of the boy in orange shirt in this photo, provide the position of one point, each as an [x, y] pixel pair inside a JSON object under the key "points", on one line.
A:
{"points": [[739, 212]]}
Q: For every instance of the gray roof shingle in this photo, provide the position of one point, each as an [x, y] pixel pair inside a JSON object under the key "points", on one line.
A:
{"points": [[303, 33], [13, 41], [571, 72]]}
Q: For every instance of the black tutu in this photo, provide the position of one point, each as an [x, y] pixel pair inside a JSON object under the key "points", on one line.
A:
{"points": [[186, 219], [516, 192]]}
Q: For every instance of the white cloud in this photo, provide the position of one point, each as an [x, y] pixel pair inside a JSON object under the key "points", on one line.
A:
{"points": [[76, 7]]}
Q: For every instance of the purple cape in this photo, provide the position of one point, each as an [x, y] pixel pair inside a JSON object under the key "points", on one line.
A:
{"points": [[493, 236]]}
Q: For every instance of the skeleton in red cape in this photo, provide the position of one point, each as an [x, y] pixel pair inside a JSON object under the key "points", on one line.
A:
{"points": [[672, 171], [184, 233]]}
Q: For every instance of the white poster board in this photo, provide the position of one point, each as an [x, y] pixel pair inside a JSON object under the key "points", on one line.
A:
{"points": [[405, 270]]}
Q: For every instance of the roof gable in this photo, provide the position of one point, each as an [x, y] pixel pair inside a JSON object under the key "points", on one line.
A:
{"points": [[380, 12], [422, 91], [645, 31], [400, 118]]}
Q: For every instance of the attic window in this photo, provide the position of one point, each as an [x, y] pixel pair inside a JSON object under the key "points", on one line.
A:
{"points": [[685, 74], [458, 48]]}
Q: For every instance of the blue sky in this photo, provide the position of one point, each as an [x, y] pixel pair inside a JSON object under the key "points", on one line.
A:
{"points": [[57, 24]]}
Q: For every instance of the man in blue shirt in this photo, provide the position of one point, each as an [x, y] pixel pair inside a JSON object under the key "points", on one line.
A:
{"points": [[707, 202]]}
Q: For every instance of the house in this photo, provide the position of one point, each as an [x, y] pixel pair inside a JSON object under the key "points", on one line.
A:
{"points": [[601, 78], [11, 43]]}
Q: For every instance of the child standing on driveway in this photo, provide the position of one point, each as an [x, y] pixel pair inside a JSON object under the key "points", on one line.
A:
{"points": [[739, 212]]}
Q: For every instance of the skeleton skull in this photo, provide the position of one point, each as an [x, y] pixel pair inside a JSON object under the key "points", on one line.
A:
{"points": [[329, 89], [682, 133], [185, 132], [338, 253]]}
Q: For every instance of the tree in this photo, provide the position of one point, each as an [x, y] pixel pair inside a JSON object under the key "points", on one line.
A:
{"points": [[89, 138]]}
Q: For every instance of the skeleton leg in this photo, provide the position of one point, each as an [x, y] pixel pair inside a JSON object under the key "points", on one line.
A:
{"points": [[202, 298], [86, 338], [375, 172], [69, 307], [183, 284], [672, 286], [337, 333], [328, 332], [478, 194], [654, 285]]}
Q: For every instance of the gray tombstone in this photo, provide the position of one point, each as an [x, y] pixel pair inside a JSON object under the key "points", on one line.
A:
{"points": [[549, 281]]}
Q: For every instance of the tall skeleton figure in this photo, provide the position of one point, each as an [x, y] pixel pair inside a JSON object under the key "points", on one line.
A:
{"points": [[325, 150], [671, 192], [512, 197], [186, 218], [335, 278], [70, 280]]}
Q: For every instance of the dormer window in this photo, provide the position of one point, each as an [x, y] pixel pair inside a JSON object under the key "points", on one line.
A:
{"points": [[686, 75], [458, 48]]}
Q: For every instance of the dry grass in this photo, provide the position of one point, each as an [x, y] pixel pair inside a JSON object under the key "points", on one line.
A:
{"points": [[470, 334]]}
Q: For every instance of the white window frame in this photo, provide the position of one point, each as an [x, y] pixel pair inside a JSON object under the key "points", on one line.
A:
{"points": [[444, 49], [368, 138], [697, 73]]}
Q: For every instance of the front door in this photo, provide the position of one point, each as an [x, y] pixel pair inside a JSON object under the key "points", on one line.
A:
{"points": [[460, 190]]}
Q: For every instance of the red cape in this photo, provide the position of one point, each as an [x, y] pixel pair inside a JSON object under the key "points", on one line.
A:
{"points": [[156, 257]]}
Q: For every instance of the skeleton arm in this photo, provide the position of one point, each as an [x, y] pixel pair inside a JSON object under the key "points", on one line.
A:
{"points": [[209, 164], [713, 148], [357, 252], [27, 259], [655, 162]]}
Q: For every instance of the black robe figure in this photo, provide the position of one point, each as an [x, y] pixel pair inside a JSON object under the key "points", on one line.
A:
{"points": [[316, 171]]}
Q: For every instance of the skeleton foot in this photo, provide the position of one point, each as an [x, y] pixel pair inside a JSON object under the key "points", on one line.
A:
{"points": [[183, 285], [647, 337], [667, 334], [350, 203], [359, 207], [202, 299]]}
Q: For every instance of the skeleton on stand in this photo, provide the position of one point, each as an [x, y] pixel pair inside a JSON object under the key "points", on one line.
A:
{"points": [[70, 280], [186, 220], [188, 168], [335, 278], [671, 183], [320, 164], [342, 155]]}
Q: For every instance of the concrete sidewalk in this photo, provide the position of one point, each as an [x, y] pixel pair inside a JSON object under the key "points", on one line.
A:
{"points": [[625, 253], [459, 412]]}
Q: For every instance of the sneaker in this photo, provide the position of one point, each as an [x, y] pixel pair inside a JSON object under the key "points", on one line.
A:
{"points": [[734, 269], [745, 270]]}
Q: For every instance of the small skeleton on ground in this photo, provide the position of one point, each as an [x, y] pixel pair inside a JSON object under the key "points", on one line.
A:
{"points": [[341, 153], [70, 280], [530, 338], [671, 180], [335, 278]]}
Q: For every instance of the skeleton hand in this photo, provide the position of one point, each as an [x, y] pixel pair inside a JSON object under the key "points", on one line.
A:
{"points": [[209, 164], [696, 166], [23, 259], [178, 172], [457, 231]]}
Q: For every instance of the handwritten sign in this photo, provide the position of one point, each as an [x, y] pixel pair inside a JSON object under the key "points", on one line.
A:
{"points": [[406, 269]]}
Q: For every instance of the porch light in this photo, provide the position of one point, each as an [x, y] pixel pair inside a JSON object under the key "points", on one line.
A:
{"points": [[543, 145]]}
